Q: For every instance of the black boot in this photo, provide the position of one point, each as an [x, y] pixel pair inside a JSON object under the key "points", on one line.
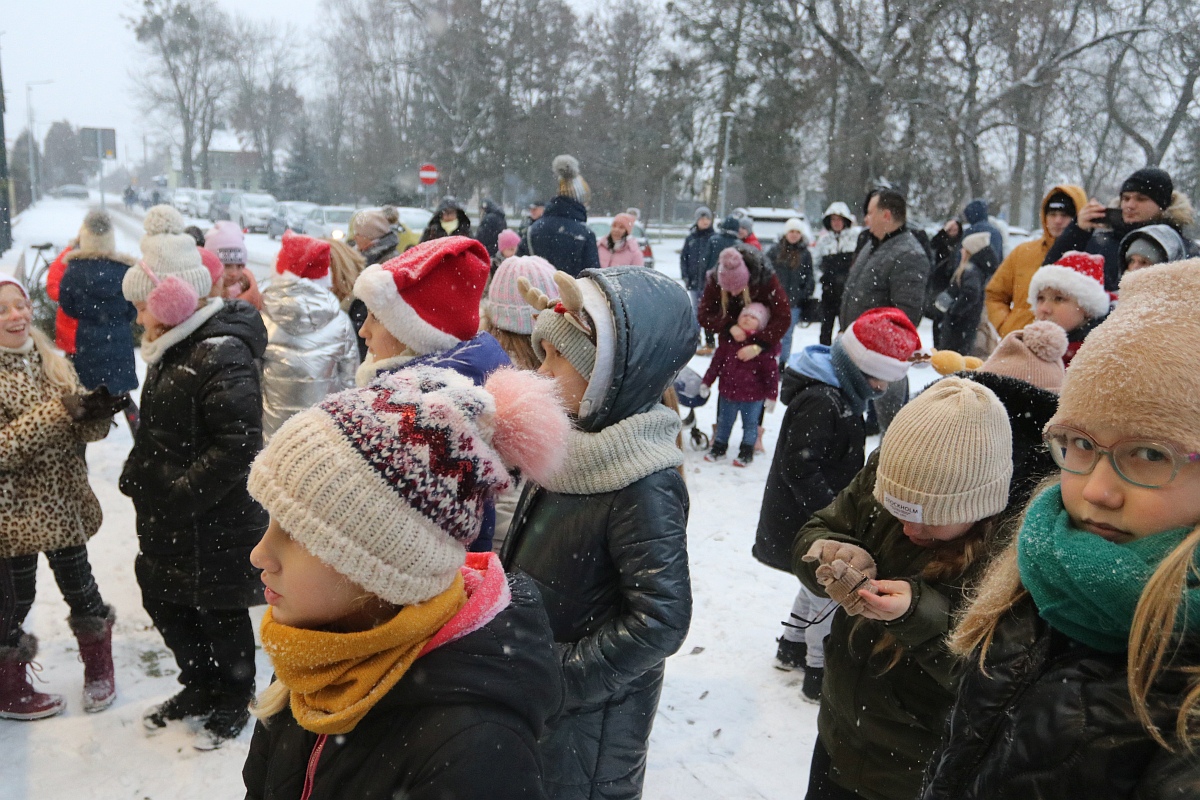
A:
{"points": [[811, 690], [745, 456], [790, 655], [227, 720], [190, 703], [717, 452]]}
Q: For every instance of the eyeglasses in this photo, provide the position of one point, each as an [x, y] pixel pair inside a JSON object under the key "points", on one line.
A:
{"points": [[1140, 462]]}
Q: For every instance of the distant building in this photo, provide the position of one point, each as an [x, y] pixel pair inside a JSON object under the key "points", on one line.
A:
{"points": [[229, 165]]}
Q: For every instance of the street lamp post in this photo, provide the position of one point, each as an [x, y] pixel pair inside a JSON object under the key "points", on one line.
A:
{"points": [[32, 142], [728, 118]]}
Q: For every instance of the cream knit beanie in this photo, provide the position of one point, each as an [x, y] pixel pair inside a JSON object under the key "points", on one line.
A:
{"points": [[946, 458], [168, 251]]}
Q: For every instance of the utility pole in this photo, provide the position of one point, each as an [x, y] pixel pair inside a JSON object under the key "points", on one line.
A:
{"points": [[5, 209], [33, 176], [727, 118]]}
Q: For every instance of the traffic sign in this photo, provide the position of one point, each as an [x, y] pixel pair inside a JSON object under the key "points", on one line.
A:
{"points": [[98, 143], [428, 174]]}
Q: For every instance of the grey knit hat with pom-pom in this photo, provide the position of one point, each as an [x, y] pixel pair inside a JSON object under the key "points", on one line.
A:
{"points": [[96, 233], [166, 250]]}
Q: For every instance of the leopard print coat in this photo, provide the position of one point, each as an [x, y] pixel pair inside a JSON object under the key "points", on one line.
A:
{"points": [[45, 500]]}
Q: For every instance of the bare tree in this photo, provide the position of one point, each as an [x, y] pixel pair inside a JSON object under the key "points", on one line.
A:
{"points": [[266, 104]]}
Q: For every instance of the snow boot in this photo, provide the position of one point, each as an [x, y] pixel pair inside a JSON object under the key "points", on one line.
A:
{"points": [[790, 655], [190, 703], [18, 698], [227, 720], [810, 692], [745, 456], [94, 635], [717, 452]]}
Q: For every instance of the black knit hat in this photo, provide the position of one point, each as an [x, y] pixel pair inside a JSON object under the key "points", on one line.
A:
{"points": [[1153, 182], [1061, 201]]}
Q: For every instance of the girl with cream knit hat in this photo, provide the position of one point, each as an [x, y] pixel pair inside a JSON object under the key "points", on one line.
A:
{"points": [[404, 665], [894, 550], [1082, 638]]}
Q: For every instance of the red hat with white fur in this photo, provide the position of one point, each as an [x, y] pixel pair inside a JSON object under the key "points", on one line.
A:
{"points": [[1080, 275], [304, 257], [428, 298], [880, 343]]}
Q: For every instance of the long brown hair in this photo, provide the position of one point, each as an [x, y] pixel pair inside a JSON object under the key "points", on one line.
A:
{"points": [[517, 345], [1151, 637]]}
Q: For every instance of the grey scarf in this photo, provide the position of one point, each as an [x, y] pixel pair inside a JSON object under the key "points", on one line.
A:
{"points": [[619, 455]]}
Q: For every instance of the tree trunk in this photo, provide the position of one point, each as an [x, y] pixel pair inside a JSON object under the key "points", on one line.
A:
{"points": [[1017, 181]]}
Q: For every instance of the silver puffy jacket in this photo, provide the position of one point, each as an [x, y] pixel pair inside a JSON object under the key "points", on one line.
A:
{"points": [[311, 349]]}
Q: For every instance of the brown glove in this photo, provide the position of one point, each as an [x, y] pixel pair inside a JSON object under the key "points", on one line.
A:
{"points": [[826, 551], [843, 585]]}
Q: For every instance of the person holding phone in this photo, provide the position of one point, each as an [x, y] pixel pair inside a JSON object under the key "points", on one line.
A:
{"points": [[1148, 197]]}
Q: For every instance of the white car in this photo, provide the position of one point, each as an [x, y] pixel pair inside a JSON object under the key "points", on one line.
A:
{"points": [[770, 222], [328, 222], [415, 219], [252, 211], [203, 202], [187, 201]]}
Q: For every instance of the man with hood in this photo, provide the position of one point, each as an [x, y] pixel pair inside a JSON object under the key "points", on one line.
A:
{"points": [[605, 538], [448, 220], [976, 215], [1007, 294], [491, 223], [833, 255], [561, 235]]}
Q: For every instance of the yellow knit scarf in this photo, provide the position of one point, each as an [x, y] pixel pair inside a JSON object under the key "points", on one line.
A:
{"points": [[336, 678]]}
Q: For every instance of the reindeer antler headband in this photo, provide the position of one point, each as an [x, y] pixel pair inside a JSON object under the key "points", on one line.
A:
{"points": [[569, 304]]}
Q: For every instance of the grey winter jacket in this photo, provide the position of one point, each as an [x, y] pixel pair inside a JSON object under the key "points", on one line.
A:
{"points": [[888, 273], [311, 348]]}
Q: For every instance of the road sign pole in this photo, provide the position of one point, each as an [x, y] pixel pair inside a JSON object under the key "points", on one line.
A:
{"points": [[100, 162]]}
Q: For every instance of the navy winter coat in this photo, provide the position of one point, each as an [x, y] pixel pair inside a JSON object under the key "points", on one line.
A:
{"points": [[91, 293], [562, 237], [693, 258], [976, 215]]}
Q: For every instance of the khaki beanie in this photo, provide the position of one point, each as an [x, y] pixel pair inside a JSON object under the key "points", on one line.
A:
{"points": [[572, 343], [1138, 372], [946, 458]]}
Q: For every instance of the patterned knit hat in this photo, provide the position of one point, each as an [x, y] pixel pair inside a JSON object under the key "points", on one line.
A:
{"points": [[1079, 275], [1138, 372], [167, 251], [506, 305], [388, 484], [228, 241], [428, 298], [946, 459], [880, 342], [96, 233], [732, 273], [1033, 354], [570, 181], [305, 257]]}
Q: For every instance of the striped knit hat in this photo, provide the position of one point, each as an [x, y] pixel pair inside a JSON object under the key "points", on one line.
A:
{"points": [[388, 484], [506, 307], [946, 458]]}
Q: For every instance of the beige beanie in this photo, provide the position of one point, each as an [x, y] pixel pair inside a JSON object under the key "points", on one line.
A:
{"points": [[946, 458], [166, 250], [1033, 354], [1138, 372]]}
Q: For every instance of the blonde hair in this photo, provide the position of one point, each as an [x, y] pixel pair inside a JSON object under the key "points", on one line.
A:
{"points": [[1151, 636], [345, 265], [274, 698], [517, 345], [59, 371]]}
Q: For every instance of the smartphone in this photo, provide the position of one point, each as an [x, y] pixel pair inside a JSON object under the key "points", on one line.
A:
{"points": [[1112, 218]]}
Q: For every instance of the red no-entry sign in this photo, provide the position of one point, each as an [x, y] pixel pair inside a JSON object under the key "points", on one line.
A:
{"points": [[428, 174]]}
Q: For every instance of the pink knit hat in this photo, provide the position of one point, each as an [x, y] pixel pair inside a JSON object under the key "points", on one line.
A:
{"points": [[507, 308], [759, 312], [508, 238], [732, 273], [1033, 354], [625, 220], [226, 239]]}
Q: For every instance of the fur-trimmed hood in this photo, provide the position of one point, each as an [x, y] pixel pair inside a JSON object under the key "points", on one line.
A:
{"points": [[98, 255]]}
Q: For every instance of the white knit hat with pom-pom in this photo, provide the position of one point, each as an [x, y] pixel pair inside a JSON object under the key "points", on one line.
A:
{"points": [[168, 251], [388, 484], [1033, 354]]}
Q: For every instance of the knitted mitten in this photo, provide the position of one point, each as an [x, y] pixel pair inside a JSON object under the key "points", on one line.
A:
{"points": [[842, 582]]}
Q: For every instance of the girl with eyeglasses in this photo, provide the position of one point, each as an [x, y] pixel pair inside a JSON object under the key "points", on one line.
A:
{"points": [[1083, 639]]}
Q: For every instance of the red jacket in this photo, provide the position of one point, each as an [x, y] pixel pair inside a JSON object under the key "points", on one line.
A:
{"points": [[64, 326], [753, 241]]}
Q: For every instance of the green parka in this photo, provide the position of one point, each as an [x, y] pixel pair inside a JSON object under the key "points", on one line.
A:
{"points": [[880, 726]]}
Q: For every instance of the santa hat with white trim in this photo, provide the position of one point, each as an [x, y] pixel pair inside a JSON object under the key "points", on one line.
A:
{"points": [[428, 297], [1080, 275], [880, 343]]}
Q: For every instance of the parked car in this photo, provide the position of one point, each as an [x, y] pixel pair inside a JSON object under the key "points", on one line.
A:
{"points": [[769, 224], [203, 202], [414, 218], [219, 207], [602, 225], [289, 216], [187, 201], [251, 211], [328, 222], [70, 190]]}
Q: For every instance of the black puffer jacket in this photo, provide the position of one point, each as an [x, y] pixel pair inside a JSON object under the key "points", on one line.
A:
{"points": [[434, 229], [1053, 718], [820, 450], [562, 237], [612, 566], [793, 266], [490, 226], [462, 723], [201, 426]]}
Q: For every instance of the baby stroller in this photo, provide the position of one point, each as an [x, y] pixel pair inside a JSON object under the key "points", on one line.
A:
{"points": [[687, 389]]}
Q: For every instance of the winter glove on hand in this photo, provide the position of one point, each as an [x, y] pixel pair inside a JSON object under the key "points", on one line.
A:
{"points": [[95, 405], [845, 581], [826, 551], [705, 390]]}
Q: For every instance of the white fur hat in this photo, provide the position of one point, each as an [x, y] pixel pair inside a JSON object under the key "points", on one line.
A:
{"points": [[167, 250]]}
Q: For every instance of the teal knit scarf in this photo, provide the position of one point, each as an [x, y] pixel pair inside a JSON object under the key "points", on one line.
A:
{"points": [[1088, 587], [852, 380]]}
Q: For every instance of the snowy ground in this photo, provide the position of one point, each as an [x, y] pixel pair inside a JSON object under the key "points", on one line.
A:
{"points": [[729, 724]]}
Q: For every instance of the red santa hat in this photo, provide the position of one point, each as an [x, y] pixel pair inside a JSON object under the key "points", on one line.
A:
{"points": [[304, 257], [1080, 275], [428, 298], [880, 343]]}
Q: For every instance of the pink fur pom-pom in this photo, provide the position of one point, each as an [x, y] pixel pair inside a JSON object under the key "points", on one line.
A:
{"points": [[172, 301], [531, 425], [1045, 340]]}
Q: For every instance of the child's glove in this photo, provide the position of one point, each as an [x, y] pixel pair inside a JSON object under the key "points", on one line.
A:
{"points": [[95, 405], [826, 551], [843, 585], [705, 390]]}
